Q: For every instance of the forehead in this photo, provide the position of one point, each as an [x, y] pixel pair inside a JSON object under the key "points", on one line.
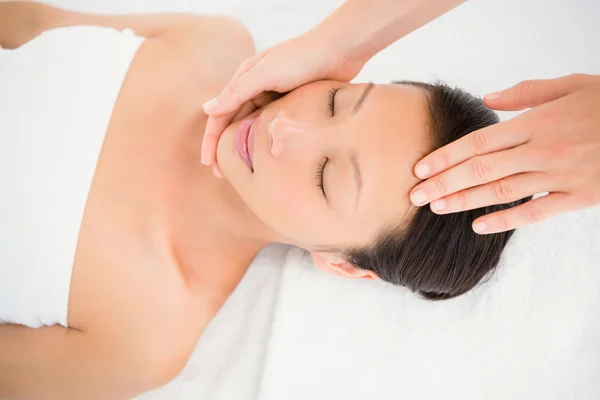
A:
{"points": [[391, 133]]}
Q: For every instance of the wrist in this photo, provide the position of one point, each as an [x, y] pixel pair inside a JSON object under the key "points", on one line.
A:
{"points": [[343, 38], [333, 54], [334, 43], [359, 29]]}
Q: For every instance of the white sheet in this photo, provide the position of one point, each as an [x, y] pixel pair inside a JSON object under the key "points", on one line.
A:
{"points": [[530, 333]]}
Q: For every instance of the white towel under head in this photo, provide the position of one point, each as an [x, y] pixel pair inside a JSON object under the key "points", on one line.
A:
{"points": [[531, 332]]}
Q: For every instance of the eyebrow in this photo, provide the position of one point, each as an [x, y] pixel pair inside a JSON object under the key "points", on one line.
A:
{"points": [[363, 97], [357, 176]]}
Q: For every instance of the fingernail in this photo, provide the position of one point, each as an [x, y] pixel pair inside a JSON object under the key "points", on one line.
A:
{"points": [[480, 227], [418, 197], [492, 96], [210, 105], [422, 171], [438, 205]]}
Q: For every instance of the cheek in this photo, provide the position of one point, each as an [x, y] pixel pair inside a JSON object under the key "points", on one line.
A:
{"points": [[283, 201], [282, 194]]}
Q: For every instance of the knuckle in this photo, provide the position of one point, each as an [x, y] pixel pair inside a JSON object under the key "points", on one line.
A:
{"points": [[233, 89], [527, 87], [440, 186], [503, 190], [462, 200], [576, 81], [580, 78], [480, 169], [443, 160], [245, 66], [577, 76], [534, 214], [478, 142], [541, 157], [535, 153], [558, 153], [502, 223]]}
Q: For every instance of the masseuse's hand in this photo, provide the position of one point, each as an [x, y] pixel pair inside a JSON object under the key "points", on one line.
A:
{"points": [[262, 78], [554, 148]]}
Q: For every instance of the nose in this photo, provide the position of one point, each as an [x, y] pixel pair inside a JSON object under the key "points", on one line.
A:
{"points": [[287, 134]]}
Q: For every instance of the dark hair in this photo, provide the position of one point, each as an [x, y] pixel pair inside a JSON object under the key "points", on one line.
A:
{"points": [[439, 256]]}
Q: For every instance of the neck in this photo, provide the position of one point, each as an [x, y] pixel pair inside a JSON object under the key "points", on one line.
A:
{"points": [[213, 227], [234, 220]]}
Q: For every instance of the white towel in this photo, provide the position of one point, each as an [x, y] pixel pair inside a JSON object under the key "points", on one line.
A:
{"points": [[531, 332], [57, 94]]}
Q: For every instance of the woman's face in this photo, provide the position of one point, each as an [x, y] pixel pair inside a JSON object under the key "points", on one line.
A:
{"points": [[336, 168]]}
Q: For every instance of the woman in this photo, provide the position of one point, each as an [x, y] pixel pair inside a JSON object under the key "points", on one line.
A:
{"points": [[161, 242]]}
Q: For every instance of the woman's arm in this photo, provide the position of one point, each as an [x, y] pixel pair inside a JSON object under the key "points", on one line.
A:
{"points": [[369, 26], [21, 21], [59, 363]]}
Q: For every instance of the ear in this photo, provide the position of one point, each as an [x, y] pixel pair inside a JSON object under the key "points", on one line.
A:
{"points": [[334, 264]]}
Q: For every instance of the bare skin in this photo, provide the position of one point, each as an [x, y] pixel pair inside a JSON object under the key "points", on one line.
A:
{"points": [[147, 277], [163, 242]]}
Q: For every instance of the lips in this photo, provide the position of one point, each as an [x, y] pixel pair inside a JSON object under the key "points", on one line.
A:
{"points": [[251, 140], [244, 140]]}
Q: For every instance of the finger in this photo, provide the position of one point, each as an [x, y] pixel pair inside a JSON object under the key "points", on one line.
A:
{"points": [[474, 172], [532, 93], [502, 191], [240, 90], [527, 213], [501, 136], [247, 65], [214, 128], [216, 125], [244, 67], [254, 104], [265, 98], [245, 110]]}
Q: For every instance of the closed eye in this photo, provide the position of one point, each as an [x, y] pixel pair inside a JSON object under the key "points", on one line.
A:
{"points": [[319, 175], [331, 102]]}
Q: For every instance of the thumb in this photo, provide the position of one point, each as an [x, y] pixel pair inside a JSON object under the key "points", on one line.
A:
{"points": [[532, 93]]}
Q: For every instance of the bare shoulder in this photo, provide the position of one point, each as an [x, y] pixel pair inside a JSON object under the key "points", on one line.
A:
{"points": [[212, 50], [183, 67], [201, 57], [122, 290]]}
